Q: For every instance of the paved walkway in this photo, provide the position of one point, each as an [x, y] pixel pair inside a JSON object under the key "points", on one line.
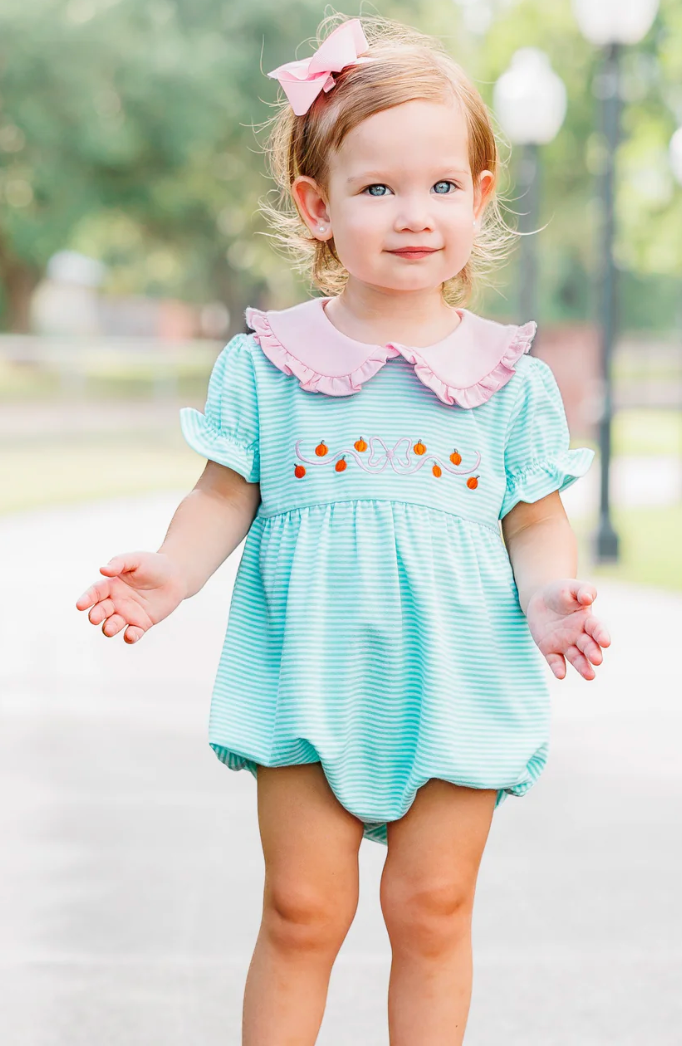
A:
{"points": [[131, 871]]}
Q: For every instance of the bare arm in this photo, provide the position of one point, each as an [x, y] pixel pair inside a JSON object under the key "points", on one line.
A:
{"points": [[543, 552], [209, 524], [541, 544]]}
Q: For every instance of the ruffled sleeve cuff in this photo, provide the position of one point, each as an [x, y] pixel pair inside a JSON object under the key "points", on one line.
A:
{"points": [[543, 477], [211, 442]]}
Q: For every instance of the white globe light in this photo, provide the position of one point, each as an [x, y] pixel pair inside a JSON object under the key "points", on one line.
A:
{"points": [[74, 267], [615, 21], [530, 99], [676, 154]]}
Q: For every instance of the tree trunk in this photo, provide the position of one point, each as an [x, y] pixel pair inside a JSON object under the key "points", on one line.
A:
{"points": [[19, 279]]}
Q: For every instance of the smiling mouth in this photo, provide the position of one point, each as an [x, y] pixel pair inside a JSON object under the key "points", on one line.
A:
{"points": [[414, 252]]}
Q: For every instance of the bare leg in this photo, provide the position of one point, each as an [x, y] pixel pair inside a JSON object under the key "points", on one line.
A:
{"points": [[310, 845], [427, 896]]}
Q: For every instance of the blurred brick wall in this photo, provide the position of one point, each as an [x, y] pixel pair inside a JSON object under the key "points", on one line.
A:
{"points": [[572, 351]]}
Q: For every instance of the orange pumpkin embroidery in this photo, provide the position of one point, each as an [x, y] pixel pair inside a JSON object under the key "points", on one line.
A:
{"points": [[397, 457]]}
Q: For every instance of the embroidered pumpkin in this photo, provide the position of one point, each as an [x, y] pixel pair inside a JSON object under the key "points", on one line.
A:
{"points": [[472, 482], [437, 470], [360, 444], [321, 449], [419, 447], [340, 465], [456, 457], [299, 472]]}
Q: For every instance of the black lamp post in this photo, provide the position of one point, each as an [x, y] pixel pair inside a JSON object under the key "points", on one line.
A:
{"points": [[676, 165], [610, 24]]}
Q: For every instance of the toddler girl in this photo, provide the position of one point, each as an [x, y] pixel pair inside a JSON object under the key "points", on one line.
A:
{"points": [[384, 669]]}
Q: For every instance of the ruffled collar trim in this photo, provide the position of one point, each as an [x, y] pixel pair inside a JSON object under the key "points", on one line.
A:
{"points": [[465, 368]]}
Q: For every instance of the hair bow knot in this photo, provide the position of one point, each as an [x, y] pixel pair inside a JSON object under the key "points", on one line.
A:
{"points": [[303, 80]]}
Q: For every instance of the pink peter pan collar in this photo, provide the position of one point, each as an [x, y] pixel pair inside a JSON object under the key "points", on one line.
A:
{"points": [[465, 368]]}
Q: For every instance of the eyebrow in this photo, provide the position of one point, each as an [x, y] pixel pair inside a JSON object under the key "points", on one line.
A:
{"points": [[369, 175]]}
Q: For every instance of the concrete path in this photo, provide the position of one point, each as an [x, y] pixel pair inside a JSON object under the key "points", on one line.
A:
{"points": [[131, 870]]}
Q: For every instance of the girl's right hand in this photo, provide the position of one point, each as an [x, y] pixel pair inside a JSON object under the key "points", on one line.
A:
{"points": [[141, 589]]}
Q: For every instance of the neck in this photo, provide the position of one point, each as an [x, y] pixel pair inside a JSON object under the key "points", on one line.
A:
{"points": [[379, 316]]}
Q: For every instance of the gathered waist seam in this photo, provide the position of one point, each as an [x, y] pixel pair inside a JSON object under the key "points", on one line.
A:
{"points": [[395, 501]]}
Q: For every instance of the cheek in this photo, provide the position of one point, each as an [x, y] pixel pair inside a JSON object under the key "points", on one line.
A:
{"points": [[459, 237], [460, 227], [463, 235], [359, 235], [461, 215], [356, 220]]}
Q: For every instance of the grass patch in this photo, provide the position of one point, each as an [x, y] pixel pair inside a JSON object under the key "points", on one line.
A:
{"points": [[59, 473], [650, 547], [641, 433], [654, 431], [107, 375]]}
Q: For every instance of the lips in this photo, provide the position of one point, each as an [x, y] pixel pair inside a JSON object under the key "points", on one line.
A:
{"points": [[414, 252]]}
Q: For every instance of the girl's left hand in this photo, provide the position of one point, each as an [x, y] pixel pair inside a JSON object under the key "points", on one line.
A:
{"points": [[564, 628]]}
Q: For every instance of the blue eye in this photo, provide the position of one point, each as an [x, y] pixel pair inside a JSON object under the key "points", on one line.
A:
{"points": [[379, 189]]}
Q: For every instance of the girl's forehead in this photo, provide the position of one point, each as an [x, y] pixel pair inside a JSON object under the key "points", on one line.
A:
{"points": [[420, 132]]}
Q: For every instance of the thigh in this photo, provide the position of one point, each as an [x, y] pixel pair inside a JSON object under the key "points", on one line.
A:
{"points": [[440, 840], [310, 841]]}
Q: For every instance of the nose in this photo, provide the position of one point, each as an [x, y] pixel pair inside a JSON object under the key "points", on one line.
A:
{"points": [[414, 213]]}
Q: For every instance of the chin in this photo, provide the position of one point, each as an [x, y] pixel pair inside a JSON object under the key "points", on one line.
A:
{"points": [[418, 282], [402, 286]]}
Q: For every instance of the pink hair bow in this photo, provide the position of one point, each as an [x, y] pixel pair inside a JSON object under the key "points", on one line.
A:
{"points": [[302, 81]]}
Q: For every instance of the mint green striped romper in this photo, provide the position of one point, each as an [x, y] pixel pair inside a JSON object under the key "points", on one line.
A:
{"points": [[375, 625]]}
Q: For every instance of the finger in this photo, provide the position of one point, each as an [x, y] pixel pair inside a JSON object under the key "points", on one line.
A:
{"points": [[558, 665], [599, 632], [101, 610], [586, 593], [100, 590], [580, 592], [133, 633], [113, 625], [120, 564], [580, 662], [590, 649]]}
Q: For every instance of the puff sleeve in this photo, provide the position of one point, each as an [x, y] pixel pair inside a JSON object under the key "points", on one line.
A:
{"points": [[228, 431], [537, 456]]}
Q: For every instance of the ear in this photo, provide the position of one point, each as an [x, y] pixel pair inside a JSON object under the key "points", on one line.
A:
{"points": [[312, 206], [482, 192]]}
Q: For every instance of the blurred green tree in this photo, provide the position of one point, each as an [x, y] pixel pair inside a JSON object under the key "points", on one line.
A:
{"points": [[126, 131]]}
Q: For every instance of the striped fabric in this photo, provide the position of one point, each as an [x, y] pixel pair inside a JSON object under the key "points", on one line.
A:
{"points": [[375, 625]]}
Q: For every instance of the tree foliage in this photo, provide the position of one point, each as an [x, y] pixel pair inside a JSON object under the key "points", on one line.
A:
{"points": [[127, 132]]}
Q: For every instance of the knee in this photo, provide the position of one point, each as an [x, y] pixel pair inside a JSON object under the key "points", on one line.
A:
{"points": [[299, 917], [426, 916]]}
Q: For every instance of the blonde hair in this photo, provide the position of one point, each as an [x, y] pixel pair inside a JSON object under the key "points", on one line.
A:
{"points": [[407, 65]]}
